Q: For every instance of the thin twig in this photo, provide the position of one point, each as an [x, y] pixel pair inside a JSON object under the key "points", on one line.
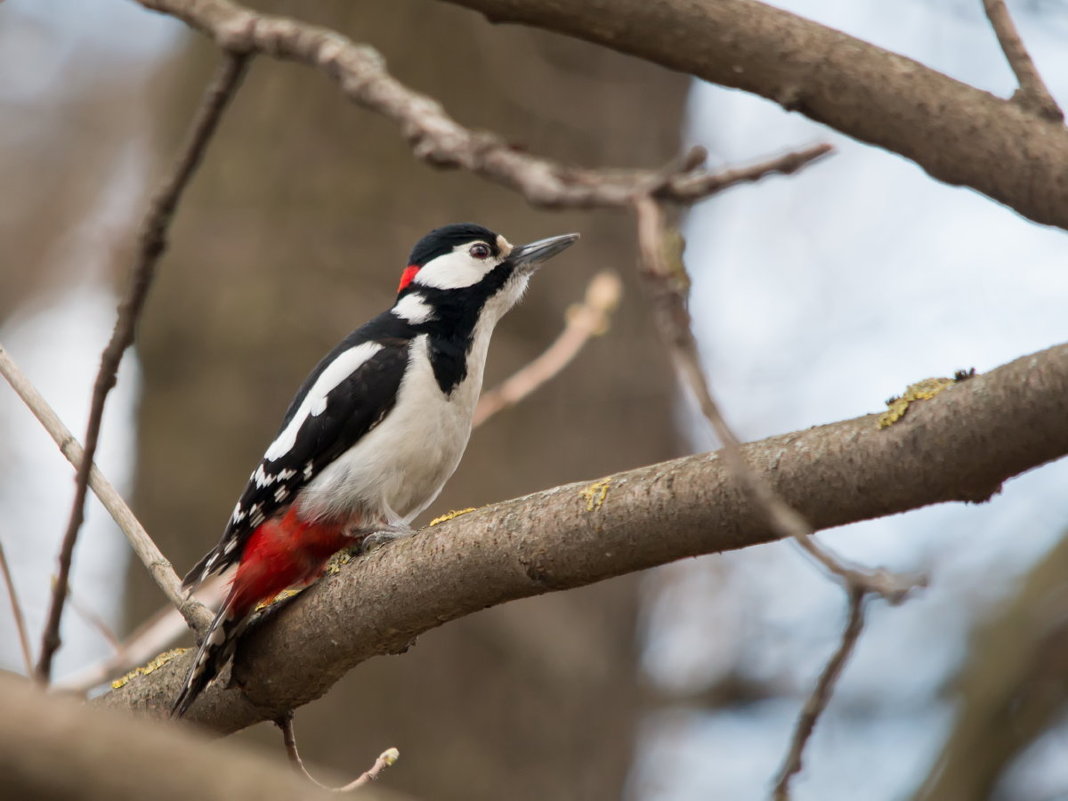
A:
{"points": [[158, 632], [16, 612], [153, 242], [668, 282], [289, 739], [689, 187], [662, 265], [158, 566], [360, 73], [1033, 93], [821, 694], [584, 320], [94, 620]]}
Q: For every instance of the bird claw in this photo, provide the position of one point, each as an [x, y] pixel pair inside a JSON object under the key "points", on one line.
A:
{"points": [[383, 536]]}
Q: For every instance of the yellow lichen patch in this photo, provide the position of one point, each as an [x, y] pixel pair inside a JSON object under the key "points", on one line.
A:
{"points": [[596, 493], [452, 515], [339, 560], [279, 597], [144, 670], [921, 390]]}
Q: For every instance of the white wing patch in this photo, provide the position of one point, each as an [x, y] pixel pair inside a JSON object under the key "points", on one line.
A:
{"points": [[314, 402], [414, 309]]}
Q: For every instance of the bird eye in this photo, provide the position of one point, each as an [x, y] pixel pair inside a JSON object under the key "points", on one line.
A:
{"points": [[480, 250]]}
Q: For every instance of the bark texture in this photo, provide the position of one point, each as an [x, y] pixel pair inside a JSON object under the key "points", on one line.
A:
{"points": [[959, 446], [957, 133]]}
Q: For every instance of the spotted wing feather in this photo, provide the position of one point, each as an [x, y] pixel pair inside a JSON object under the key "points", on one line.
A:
{"points": [[318, 427]]}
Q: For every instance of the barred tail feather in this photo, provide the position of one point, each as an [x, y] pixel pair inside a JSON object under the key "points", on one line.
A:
{"points": [[280, 553], [201, 570], [215, 651]]}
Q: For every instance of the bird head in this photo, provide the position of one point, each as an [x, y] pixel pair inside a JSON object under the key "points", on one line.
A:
{"points": [[466, 255]]}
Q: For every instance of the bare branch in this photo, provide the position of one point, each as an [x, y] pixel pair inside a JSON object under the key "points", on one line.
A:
{"points": [[821, 694], [1033, 93], [93, 620], [435, 137], [668, 280], [157, 633], [587, 319], [16, 612], [57, 748], [960, 445], [158, 566], [669, 283], [289, 738], [153, 241], [873, 95], [686, 187]]}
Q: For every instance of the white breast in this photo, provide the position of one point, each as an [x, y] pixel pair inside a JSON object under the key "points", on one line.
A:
{"points": [[396, 470]]}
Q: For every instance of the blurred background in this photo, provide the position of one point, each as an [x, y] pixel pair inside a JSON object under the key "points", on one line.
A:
{"points": [[816, 297]]}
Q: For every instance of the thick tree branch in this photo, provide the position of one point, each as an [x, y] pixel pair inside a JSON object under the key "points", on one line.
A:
{"points": [[667, 282], [55, 748], [957, 133], [667, 279], [958, 446]]}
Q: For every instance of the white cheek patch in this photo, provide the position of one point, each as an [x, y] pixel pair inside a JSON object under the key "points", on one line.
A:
{"points": [[314, 402], [414, 309], [455, 270]]}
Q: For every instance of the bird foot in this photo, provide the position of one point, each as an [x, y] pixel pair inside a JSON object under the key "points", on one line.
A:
{"points": [[382, 536]]}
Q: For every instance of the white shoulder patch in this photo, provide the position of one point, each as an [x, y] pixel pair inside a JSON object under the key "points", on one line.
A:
{"points": [[314, 402], [414, 309]]}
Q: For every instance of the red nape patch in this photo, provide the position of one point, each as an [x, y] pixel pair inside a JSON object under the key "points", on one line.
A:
{"points": [[407, 276], [281, 553]]}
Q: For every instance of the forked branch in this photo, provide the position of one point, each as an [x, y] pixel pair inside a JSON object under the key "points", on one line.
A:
{"points": [[663, 267], [1033, 93]]}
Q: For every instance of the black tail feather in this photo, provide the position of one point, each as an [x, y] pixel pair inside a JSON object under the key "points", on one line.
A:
{"points": [[202, 569], [215, 651]]}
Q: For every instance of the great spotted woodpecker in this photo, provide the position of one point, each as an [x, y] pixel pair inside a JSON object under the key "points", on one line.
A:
{"points": [[373, 433]]}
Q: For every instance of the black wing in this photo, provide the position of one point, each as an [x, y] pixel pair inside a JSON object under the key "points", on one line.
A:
{"points": [[318, 427]]}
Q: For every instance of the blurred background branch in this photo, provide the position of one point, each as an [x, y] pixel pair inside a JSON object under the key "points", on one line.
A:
{"points": [[57, 748], [1011, 689]]}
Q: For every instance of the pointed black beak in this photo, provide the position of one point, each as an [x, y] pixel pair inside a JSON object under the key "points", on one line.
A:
{"points": [[531, 255]]}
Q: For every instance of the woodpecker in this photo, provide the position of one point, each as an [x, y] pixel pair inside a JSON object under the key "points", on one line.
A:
{"points": [[373, 433]]}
